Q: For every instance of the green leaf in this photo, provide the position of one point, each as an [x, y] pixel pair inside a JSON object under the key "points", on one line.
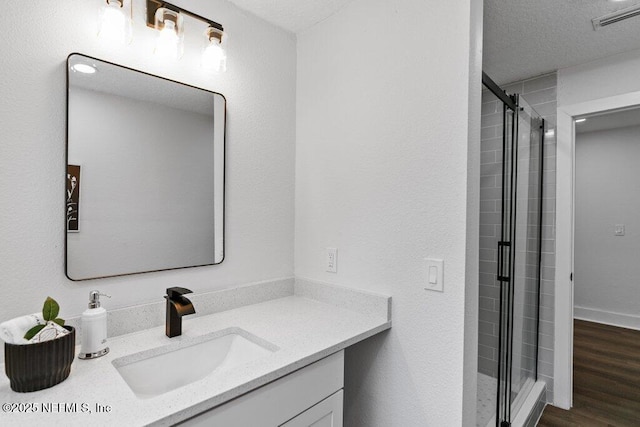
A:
{"points": [[59, 321], [33, 331], [50, 309]]}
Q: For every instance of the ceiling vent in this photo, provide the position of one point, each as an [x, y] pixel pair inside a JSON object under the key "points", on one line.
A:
{"points": [[614, 17]]}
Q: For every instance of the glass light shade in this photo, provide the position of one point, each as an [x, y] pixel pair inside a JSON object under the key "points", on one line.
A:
{"points": [[114, 23], [170, 41], [214, 57]]}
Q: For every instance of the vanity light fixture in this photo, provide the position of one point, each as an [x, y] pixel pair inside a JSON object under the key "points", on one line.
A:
{"points": [[168, 19], [114, 23]]}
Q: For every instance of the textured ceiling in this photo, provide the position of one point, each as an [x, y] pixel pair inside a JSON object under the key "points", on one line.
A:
{"points": [[526, 38], [522, 38], [292, 15]]}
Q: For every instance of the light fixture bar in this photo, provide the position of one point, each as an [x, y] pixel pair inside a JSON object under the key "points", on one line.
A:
{"points": [[154, 5], [614, 17]]}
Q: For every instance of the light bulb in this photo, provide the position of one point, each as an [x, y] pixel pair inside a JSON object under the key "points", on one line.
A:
{"points": [[169, 42], [114, 24], [214, 58]]}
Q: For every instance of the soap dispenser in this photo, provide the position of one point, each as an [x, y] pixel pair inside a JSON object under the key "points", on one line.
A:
{"points": [[94, 329]]}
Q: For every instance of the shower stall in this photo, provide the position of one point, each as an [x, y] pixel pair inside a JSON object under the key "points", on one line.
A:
{"points": [[512, 155]]}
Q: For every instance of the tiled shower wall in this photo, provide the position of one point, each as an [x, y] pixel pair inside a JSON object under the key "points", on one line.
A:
{"points": [[540, 93]]}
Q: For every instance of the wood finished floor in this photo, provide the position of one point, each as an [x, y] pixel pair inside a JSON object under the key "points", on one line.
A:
{"points": [[606, 379]]}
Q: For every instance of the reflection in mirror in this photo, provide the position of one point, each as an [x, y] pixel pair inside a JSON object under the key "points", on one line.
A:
{"points": [[145, 172]]}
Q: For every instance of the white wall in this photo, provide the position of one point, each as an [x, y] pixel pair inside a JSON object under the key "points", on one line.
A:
{"points": [[613, 75], [606, 266], [260, 89], [382, 155]]}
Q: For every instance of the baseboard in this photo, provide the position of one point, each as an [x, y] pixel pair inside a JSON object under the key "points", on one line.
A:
{"points": [[607, 317]]}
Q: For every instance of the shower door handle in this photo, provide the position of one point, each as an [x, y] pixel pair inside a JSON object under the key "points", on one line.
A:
{"points": [[502, 246]]}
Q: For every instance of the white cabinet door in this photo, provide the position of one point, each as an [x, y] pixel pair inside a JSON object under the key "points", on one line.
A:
{"points": [[327, 413]]}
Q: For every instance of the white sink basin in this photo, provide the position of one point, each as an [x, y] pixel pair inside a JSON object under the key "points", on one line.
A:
{"points": [[159, 370]]}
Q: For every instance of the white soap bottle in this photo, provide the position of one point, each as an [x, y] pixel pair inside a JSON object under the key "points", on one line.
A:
{"points": [[94, 329]]}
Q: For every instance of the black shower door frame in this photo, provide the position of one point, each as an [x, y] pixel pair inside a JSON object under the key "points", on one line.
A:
{"points": [[506, 254]]}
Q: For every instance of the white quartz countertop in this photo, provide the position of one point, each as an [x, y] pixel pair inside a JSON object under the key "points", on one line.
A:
{"points": [[305, 330]]}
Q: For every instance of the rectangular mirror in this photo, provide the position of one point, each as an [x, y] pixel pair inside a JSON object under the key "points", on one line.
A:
{"points": [[145, 172]]}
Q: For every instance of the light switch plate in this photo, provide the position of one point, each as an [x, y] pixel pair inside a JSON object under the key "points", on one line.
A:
{"points": [[619, 230], [332, 260], [435, 275]]}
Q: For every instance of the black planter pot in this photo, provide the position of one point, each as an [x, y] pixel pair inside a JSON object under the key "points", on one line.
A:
{"points": [[33, 367]]}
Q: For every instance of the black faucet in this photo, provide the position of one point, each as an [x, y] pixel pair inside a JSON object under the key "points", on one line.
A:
{"points": [[177, 306]]}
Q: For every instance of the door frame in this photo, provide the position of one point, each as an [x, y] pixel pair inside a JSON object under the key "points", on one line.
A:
{"points": [[565, 222]]}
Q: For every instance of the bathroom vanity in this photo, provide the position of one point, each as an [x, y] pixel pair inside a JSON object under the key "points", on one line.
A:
{"points": [[266, 354], [284, 366], [310, 396]]}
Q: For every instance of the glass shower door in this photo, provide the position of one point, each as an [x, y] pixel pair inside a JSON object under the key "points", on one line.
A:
{"points": [[493, 112], [510, 235], [519, 259], [528, 157], [505, 265]]}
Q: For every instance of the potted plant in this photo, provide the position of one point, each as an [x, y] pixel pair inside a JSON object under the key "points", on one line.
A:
{"points": [[45, 362]]}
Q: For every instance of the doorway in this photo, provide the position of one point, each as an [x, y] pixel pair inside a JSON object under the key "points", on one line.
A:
{"points": [[606, 221], [566, 234]]}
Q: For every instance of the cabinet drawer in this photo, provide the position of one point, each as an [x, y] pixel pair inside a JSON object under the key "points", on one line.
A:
{"points": [[327, 413], [279, 401]]}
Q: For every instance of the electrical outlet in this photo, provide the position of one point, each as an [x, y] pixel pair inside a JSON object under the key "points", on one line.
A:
{"points": [[332, 260], [619, 230]]}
